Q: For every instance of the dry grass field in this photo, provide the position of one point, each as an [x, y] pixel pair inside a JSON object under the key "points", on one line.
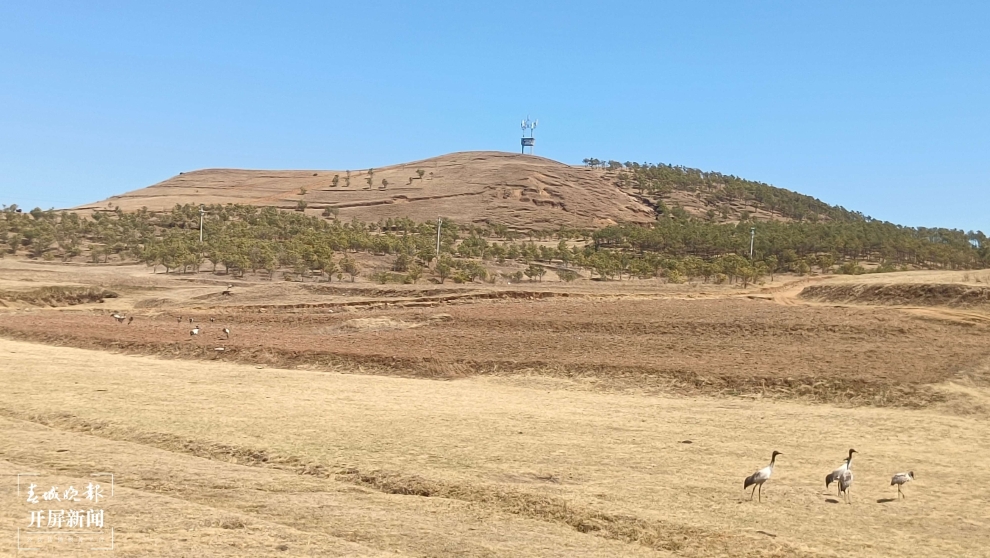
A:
{"points": [[527, 420]]}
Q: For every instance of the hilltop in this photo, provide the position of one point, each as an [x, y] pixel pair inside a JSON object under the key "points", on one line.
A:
{"points": [[521, 192]]}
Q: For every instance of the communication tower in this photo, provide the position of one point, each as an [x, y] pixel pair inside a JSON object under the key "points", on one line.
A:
{"points": [[529, 125]]}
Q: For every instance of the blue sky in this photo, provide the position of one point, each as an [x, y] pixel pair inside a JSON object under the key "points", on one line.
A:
{"points": [[881, 107]]}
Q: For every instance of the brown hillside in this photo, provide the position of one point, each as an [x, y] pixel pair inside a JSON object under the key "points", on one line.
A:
{"points": [[520, 191]]}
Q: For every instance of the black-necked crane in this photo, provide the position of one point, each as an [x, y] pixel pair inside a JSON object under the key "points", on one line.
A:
{"points": [[179, 319], [760, 477], [194, 331], [120, 319], [130, 319], [900, 479], [190, 320], [226, 332], [834, 475], [845, 481]]}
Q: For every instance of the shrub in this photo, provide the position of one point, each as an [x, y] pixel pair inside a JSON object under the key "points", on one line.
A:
{"points": [[675, 276], [401, 263], [535, 270], [415, 271], [349, 267], [443, 268], [852, 268], [472, 270], [383, 277]]}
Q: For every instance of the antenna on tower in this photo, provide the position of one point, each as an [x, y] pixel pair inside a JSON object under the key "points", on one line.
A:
{"points": [[529, 125]]}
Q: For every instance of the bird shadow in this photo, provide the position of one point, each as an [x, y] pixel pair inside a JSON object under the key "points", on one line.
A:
{"points": [[885, 500], [831, 501]]}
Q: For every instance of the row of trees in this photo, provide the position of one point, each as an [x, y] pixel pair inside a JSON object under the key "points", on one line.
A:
{"points": [[871, 241], [240, 239]]}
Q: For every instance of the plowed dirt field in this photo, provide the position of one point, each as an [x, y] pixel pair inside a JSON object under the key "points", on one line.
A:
{"points": [[727, 344]]}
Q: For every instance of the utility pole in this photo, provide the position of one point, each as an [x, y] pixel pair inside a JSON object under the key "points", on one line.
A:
{"points": [[752, 236], [439, 222], [201, 213]]}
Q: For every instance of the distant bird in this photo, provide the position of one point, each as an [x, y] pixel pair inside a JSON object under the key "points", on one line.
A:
{"points": [[226, 332], [120, 319], [760, 477], [211, 320], [900, 479], [179, 319], [834, 475], [190, 320], [129, 320], [194, 331], [845, 481]]}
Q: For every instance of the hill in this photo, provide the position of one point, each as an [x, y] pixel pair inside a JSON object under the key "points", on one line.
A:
{"points": [[519, 191], [701, 223]]}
